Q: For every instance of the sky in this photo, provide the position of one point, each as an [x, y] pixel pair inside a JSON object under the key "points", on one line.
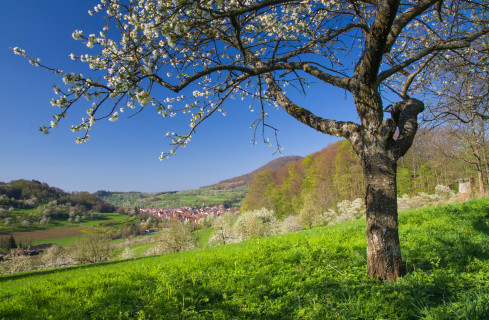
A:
{"points": [[123, 155]]}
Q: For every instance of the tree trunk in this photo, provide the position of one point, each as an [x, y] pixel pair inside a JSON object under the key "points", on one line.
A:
{"points": [[383, 250], [481, 181]]}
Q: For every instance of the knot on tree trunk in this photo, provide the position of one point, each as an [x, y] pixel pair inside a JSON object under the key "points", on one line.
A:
{"points": [[405, 116], [405, 110]]}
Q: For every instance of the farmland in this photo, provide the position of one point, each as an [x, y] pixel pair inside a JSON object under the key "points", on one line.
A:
{"points": [[313, 274], [189, 198], [64, 233]]}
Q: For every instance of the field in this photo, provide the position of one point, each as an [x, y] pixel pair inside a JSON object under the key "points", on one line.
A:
{"points": [[313, 274], [189, 198], [46, 234], [65, 233]]}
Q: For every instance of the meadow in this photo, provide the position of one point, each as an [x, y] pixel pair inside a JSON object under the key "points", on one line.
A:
{"points": [[62, 232], [313, 274], [189, 198]]}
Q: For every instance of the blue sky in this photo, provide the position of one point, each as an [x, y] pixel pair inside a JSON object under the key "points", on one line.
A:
{"points": [[122, 155]]}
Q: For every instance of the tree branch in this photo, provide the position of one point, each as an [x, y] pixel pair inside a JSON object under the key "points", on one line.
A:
{"points": [[348, 130], [405, 116], [404, 19], [369, 63], [441, 45]]}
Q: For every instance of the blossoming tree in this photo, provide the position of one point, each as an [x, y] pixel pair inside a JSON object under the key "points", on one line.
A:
{"points": [[221, 49]]}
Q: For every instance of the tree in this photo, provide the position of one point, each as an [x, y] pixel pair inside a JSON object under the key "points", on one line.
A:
{"points": [[459, 102], [176, 237], [11, 243], [92, 248], [223, 49]]}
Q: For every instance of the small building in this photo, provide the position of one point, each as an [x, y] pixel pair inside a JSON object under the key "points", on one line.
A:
{"points": [[465, 185]]}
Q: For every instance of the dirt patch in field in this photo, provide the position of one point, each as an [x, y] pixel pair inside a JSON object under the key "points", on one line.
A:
{"points": [[45, 234]]}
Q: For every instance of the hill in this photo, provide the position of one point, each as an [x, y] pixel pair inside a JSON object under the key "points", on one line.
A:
{"points": [[32, 205], [316, 182], [313, 274], [245, 179], [231, 191]]}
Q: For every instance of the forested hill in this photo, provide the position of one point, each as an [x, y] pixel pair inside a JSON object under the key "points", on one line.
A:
{"points": [[25, 194], [322, 179], [317, 181], [245, 179]]}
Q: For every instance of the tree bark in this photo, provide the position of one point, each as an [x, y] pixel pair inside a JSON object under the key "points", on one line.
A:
{"points": [[384, 260]]}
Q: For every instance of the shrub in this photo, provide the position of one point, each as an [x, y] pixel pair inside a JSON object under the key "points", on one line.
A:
{"points": [[18, 263], [56, 257], [44, 220], [290, 224], [94, 247], [443, 194], [346, 210], [128, 254], [175, 237], [256, 223], [225, 233], [30, 203]]}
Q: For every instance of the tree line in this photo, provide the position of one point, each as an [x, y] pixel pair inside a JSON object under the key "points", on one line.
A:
{"points": [[322, 179], [24, 194]]}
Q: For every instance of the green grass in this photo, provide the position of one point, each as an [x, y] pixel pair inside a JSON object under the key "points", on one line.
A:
{"points": [[108, 219], [62, 242], [312, 274], [188, 198], [203, 236]]}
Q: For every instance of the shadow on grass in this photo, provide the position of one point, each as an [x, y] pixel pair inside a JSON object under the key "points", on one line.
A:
{"points": [[482, 225], [36, 273]]}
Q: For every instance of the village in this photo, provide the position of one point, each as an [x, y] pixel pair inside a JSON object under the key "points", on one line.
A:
{"points": [[188, 214]]}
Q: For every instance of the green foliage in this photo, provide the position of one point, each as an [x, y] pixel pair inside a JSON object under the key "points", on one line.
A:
{"points": [[347, 172], [175, 237], [313, 274], [91, 248], [7, 243], [25, 194], [309, 186]]}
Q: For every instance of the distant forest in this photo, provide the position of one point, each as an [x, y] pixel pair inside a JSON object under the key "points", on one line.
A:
{"points": [[24, 194], [322, 179]]}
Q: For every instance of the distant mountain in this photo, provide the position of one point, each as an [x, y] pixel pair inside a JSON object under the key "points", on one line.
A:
{"points": [[245, 179]]}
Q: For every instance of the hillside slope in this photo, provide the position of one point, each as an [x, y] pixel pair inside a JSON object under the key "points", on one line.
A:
{"points": [[245, 179], [315, 183], [313, 274], [231, 190]]}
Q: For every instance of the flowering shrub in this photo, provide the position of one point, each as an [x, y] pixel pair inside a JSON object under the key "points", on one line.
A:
{"points": [[290, 224], [346, 210], [18, 263], [261, 223], [128, 254], [175, 237], [225, 231], [309, 214], [56, 257], [443, 194], [94, 247]]}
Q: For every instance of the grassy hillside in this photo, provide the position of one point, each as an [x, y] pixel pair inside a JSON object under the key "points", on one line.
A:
{"points": [[232, 190], [313, 274], [188, 198]]}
